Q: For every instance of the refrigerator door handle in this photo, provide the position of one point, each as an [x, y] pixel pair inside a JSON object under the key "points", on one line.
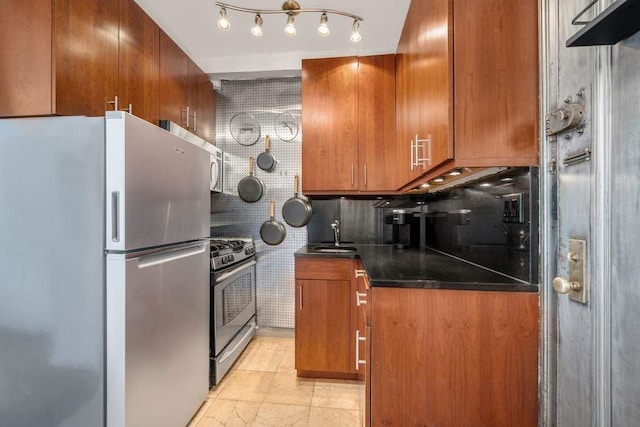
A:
{"points": [[172, 255], [115, 208]]}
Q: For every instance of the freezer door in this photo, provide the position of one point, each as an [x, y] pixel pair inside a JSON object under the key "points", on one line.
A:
{"points": [[157, 336], [157, 186]]}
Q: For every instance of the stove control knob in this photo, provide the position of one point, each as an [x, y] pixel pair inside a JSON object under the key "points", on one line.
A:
{"points": [[231, 258], [224, 260]]}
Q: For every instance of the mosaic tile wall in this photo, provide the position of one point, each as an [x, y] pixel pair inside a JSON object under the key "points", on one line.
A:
{"points": [[265, 100]]}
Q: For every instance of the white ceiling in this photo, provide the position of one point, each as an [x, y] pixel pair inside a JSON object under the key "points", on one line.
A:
{"points": [[238, 54]]}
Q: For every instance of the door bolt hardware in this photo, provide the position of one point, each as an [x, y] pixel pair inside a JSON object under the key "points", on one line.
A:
{"points": [[580, 128], [567, 136], [580, 94], [575, 285], [567, 100]]}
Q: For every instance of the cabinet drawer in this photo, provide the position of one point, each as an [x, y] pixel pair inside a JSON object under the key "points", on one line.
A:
{"points": [[326, 269]]}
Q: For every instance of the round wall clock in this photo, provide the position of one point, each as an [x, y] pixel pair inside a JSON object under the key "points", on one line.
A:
{"points": [[286, 126], [245, 129]]}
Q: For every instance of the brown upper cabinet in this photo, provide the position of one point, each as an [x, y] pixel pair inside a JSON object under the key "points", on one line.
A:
{"points": [[185, 90], [78, 57], [467, 87], [58, 57], [139, 66], [348, 117]]}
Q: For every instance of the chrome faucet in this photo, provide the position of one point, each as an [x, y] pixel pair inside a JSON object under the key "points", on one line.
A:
{"points": [[336, 232]]}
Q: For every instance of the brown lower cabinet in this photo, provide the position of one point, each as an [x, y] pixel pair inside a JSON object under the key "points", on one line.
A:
{"points": [[325, 334], [454, 358]]}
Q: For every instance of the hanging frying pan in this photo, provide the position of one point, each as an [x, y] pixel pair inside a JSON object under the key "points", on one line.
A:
{"points": [[250, 188], [296, 211], [266, 161], [272, 232]]}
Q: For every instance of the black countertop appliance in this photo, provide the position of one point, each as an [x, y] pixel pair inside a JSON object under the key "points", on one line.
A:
{"points": [[406, 228]]}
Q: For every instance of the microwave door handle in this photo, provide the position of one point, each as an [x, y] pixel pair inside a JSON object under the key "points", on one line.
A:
{"points": [[228, 274]]}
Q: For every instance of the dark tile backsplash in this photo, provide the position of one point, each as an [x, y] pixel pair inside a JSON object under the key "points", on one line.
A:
{"points": [[467, 222]]}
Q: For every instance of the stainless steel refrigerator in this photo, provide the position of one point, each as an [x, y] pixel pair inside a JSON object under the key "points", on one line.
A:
{"points": [[104, 283]]}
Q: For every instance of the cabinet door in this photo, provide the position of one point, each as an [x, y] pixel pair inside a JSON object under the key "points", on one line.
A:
{"points": [[323, 327], [199, 101], [174, 81], [408, 99], [139, 74], [376, 123], [434, 71], [25, 58], [496, 74], [86, 56], [454, 358], [330, 125]]}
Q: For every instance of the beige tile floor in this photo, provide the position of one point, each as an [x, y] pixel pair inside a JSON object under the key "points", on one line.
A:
{"points": [[262, 390]]}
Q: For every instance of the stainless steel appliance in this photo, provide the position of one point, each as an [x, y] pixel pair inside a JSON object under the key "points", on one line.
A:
{"points": [[216, 158], [233, 302], [93, 338]]}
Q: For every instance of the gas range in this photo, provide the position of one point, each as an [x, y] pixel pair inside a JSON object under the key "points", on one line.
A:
{"points": [[226, 252]]}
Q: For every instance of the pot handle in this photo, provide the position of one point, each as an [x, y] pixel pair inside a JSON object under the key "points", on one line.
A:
{"points": [[296, 185], [267, 143], [272, 209], [251, 166]]}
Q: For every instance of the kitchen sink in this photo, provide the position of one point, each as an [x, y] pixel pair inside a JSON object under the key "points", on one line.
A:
{"points": [[334, 249]]}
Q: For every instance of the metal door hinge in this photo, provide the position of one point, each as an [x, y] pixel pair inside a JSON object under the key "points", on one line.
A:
{"points": [[553, 167]]}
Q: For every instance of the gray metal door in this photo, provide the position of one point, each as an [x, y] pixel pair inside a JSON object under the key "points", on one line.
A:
{"points": [[591, 372], [570, 197]]}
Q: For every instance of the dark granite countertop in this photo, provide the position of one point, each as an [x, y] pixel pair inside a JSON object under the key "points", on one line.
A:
{"points": [[426, 268]]}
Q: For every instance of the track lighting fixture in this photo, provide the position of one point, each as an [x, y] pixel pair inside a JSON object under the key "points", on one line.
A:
{"points": [[323, 28], [290, 28], [291, 8], [355, 32], [257, 28], [223, 20]]}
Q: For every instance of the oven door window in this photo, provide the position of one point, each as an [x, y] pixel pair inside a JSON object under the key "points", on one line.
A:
{"points": [[236, 297]]}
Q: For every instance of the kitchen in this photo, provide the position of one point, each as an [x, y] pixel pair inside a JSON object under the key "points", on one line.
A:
{"points": [[538, 198]]}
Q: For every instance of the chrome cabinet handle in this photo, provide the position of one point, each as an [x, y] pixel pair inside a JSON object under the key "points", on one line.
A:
{"points": [[360, 273], [365, 175], [358, 340], [353, 175], [186, 111], [128, 110], [195, 121], [114, 103], [300, 305], [411, 151], [359, 300]]}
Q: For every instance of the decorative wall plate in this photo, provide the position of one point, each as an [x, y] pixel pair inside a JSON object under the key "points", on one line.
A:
{"points": [[286, 126], [245, 129]]}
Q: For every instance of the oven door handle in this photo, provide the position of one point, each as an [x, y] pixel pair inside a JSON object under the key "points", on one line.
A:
{"points": [[229, 353], [228, 274]]}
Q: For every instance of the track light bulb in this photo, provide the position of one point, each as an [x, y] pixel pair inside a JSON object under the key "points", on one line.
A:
{"points": [[290, 29], [355, 32], [257, 28], [323, 28], [223, 21]]}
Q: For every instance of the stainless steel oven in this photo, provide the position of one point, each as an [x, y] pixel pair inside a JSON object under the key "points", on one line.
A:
{"points": [[233, 302]]}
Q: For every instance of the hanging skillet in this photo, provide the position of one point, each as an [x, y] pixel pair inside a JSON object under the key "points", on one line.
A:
{"points": [[250, 188], [266, 161], [296, 211], [272, 232]]}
